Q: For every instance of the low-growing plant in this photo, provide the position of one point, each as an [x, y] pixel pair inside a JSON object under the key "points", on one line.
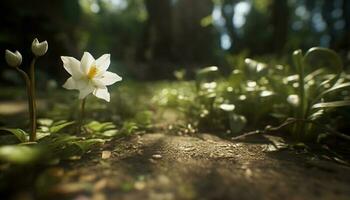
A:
{"points": [[315, 89], [256, 94], [49, 141], [14, 59]]}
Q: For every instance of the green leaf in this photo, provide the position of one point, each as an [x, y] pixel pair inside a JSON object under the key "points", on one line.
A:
{"points": [[19, 154], [208, 70], [335, 88], [128, 128], [323, 57], [59, 126], [316, 115], [86, 145], [21, 135], [332, 104], [96, 126], [314, 74], [109, 133], [57, 140], [45, 122]]}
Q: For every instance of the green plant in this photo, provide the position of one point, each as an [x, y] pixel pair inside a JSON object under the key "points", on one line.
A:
{"points": [[315, 87], [15, 60]]}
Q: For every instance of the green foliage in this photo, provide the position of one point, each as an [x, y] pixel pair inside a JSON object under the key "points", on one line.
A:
{"points": [[302, 99], [19, 154], [106, 129], [324, 78], [258, 93], [21, 135], [57, 126]]}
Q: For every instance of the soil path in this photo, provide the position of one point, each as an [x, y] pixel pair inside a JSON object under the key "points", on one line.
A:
{"points": [[167, 167]]}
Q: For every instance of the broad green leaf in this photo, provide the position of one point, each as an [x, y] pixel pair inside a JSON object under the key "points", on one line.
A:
{"points": [[128, 128], [17, 154], [45, 122], [332, 104], [42, 134], [96, 126], [109, 133], [86, 145], [59, 126], [57, 140], [21, 135]]}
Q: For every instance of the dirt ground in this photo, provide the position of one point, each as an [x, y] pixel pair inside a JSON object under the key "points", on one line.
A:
{"points": [[205, 167]]}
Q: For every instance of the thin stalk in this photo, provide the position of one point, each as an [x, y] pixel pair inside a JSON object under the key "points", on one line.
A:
{"points": [[300, 127], [33, 95], [82, 115], [30, 102]]}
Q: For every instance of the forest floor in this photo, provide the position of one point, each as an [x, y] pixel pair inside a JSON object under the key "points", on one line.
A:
{"points": [[168, 167], [161, 166]]}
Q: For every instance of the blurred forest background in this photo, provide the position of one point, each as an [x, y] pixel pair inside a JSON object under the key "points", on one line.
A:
{"points": [[149, 39]]}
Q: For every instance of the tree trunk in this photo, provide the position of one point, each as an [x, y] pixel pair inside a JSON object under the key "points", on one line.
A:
{"points": [[279, 22]]}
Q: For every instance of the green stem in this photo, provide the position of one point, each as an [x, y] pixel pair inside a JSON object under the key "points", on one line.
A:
{"points": [[300, 127], [82, 115], [30, 101], [33, 94]]}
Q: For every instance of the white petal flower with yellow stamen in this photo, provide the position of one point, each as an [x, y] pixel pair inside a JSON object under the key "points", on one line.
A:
{"points": [[89, 75]]}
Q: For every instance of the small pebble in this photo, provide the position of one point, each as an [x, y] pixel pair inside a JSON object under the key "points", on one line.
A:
{"points": [[139, 185], [106, 154], [157, 156]]}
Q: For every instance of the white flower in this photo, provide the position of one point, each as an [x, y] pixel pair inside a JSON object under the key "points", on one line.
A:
{"points": [[13, 59], [89, 75], [39, 48]]}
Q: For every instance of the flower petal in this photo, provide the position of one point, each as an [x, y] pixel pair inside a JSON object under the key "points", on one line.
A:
{"points": [[109, 78], [81, 83], [85, 91], [70, 84], [86, 62], [102, 93], [72, 66], [98, 83], [103, 62]]}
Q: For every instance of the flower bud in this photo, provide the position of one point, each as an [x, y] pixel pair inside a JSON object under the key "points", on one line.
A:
{"points": [[13, 59], [39, 48]]}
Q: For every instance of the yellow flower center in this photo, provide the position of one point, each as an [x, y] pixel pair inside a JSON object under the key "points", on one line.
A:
{"points": [[92, 72]]}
